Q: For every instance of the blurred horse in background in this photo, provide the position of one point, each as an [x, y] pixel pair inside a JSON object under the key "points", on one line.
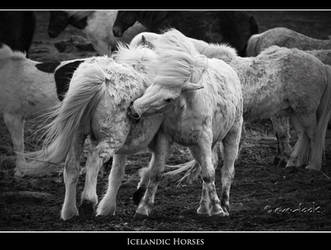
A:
{"points": [[231, 27], [284, 37], [97, 25]]}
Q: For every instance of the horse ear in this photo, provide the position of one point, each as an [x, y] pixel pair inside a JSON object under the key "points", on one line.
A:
{"points": [[143, 39], [190, 86]]}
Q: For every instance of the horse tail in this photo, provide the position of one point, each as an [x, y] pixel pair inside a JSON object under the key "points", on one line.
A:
{"points": [[72, 116]]}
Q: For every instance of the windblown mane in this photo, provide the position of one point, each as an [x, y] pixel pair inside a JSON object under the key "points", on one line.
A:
{"points": [[179, 61], [136, 56]]}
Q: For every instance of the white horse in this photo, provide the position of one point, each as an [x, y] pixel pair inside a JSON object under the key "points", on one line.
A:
{"points": [[96, 103], [99, 94], [25, 91], [97, 27], [284, 37], [279, 83], [201, 120]]}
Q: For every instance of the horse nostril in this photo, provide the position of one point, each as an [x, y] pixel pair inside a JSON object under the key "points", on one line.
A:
{"points": [[132, 113]]}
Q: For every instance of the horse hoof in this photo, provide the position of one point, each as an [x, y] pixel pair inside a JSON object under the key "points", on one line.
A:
{"points": [[218, 211], [69, 214], [138, 195], [104, 211], [140, 217], [226, 209], [203, 210], [87, 208]]}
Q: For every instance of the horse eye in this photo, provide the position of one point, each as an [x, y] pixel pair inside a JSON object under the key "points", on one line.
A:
{"points": [[168, 100]]}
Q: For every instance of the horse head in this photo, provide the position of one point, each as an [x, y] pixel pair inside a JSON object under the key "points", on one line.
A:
{"points": [[179, 69]]}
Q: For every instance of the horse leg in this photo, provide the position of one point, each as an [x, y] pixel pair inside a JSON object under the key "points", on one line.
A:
{"points": [[305, 126], [299, 156], [15, 125], [203, 154], [281, 127], [89, 197], [204, 204], [230, 150], [70, 176], [144, 178], [160, 149], [299, 145], [108, 203]]}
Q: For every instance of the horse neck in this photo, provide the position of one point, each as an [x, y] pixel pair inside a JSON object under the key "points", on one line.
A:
{"points": [[322, 44]]}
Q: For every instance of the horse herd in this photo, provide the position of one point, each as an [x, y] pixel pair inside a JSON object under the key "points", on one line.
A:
{"points": [[186, 77]]}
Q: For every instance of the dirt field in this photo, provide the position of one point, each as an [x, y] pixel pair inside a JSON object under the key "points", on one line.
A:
{"points": [[263, 196]]}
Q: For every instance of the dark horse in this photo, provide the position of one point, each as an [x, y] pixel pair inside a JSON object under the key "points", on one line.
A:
{"points": [[17, 29], [59, 20], [231, 27]]}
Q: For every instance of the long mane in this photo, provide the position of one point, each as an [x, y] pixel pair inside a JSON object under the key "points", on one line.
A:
{"points": [[134, 55], [179, 61]]}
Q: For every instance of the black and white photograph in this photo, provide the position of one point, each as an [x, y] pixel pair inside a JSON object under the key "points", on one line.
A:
{"points": [[165, 120]]}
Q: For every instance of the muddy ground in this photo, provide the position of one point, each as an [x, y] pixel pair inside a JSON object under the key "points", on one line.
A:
{"points": [[260, 193]]}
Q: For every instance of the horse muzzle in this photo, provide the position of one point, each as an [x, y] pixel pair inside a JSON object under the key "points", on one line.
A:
{"points": [[132, 114]]}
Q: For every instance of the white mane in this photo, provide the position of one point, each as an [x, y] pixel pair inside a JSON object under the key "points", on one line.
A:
{"points": [[135, 56], [211, 50], [179, 61]]}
